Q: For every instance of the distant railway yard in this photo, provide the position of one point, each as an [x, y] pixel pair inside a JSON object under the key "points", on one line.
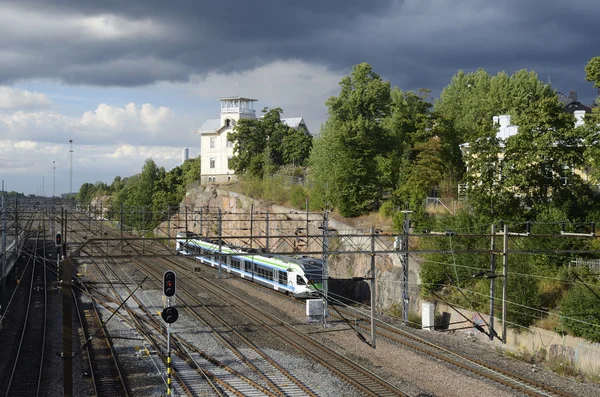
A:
{"points": [[234, 336]]}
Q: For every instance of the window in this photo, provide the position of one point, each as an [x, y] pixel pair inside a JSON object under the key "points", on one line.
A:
{"points": [[229, 143], [213, 160], [227, 123], [282, 277], [300, 280], [212, 143]]}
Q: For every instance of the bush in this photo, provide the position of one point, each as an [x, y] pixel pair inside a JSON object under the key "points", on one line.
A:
{"points": [[581, 311], [298, 196], [387, 209]]}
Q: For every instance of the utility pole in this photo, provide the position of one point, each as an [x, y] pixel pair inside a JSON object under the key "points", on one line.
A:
{"points": [[492, 281], [404, 256], [251, 226], [71, 167], [325, 265], [504, 281], [3, 252], [373, 296], [220, 239], [267, 231]]}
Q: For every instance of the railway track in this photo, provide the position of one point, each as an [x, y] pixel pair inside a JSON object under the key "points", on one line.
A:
{"points": [[515, 381], [499, 375], [363, 380], [26, 376], [279, 380], [105, 372]]}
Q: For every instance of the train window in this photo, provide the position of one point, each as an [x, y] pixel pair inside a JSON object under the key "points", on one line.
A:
{"points": [[300, 280], [282, 277], [235, 263]]}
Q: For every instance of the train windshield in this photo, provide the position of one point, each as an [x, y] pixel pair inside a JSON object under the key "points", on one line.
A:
{"points": [[313, 270]]}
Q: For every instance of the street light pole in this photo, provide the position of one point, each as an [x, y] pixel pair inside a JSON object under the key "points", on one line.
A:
{"points": [[53, 179]]}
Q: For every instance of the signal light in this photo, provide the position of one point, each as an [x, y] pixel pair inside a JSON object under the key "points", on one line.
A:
{"points": [[170, 314], [58, 239], [169, 283]]}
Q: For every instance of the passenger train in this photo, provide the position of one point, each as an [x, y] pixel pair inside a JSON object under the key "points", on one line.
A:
{"points": [[298, 275]]}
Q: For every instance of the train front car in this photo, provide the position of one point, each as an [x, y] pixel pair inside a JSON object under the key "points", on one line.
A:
{"points": [[312, 269]]}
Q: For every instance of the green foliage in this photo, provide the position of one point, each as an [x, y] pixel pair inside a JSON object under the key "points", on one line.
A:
{"points": [[263, 145], [592, 71], [581, 311], [473, 98], [387, 209], [536, 157], [345, 156]]}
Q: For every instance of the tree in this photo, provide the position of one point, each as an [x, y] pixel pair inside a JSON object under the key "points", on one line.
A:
{"points": [[545, 151], [425, 172], [472, 98], [344, 159], [592, 71], [265, 144], [580, 311]]}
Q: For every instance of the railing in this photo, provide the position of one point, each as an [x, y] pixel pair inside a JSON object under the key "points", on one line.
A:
{"points": [[238, 110], [592, 264], [436, 203]]}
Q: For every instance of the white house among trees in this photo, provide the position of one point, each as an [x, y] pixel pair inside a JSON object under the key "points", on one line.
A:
{"points": [[215, 149]]}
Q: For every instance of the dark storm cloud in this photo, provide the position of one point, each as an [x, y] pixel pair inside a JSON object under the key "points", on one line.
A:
{"points": [[415, 43]]}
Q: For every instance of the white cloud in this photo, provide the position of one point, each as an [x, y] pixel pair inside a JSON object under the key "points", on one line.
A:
{"points": [[127, 118], [16, 98], [30, 24], [106, 124]]}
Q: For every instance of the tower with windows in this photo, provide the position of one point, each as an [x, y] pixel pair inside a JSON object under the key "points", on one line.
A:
{"points": [[215, 149]]}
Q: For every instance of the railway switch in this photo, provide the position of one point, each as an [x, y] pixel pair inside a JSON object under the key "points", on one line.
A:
{"points": [[169, 283]]}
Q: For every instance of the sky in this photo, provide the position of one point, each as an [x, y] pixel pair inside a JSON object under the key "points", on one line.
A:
{"points": [[132, 80]]}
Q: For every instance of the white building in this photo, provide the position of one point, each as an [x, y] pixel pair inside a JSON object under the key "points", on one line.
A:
{"points": [[215, 149]]}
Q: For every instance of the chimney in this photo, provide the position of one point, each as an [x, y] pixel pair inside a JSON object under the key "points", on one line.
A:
{"points": [[573, 96]]}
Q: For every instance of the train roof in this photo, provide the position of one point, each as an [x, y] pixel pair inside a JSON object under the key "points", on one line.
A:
{"points": [[281, 261]]}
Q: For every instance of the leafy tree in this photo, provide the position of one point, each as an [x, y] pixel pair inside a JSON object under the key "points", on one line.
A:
{"points": [[85, 194], [265, 144], [581, 311], [486, 190], [545, 150], [426, 171], [592, 71], [344, 159], [472, 98]]}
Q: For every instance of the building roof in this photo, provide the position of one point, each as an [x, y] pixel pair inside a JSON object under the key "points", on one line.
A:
{"points": [[293, 122], [210, 125], [576, 105], [241, 98]]}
